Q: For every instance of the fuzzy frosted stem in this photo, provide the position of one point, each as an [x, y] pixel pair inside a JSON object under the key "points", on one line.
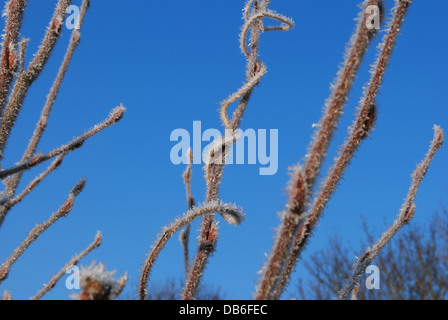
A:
{"points": [[122, 281], [230, 213], [30, 187], [28, 76], [73, 262], [334, 106], [363, 125], [51, 98], [343, 83], [14, 11], [115, 115], [282, 245], [185, 233], [40, 228], [254, 72], [405, 215]]}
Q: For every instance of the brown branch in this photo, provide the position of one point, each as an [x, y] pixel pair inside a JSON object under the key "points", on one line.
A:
{"points": [[120, 286], [360, 130], [73, 262], [229, 212], [278, 264], [14, 11], [185, 233], [253, 20], [27, 77], [405, 215], [40, 228], [282, 245], [51, 98], [115, 115], [30, 187]]}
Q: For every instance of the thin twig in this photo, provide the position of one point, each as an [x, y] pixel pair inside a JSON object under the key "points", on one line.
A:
{"points": [[51, 98], [184, 236], [14, 11], [30, 187], [73, 262], [405, 215], [230, 213], [255, 69], [360, 130], [120, 286], [40, 228], [27, 77], [22, 53], [115, 115]]}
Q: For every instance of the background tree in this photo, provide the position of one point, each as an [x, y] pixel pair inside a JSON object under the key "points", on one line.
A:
{"points": [[414, 265]]}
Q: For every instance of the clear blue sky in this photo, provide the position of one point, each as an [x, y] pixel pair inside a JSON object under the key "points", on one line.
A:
{"points": [[170, 63]]}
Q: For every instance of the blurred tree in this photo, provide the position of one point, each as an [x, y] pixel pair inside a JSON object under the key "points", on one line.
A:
{"points": [[414, 265]]}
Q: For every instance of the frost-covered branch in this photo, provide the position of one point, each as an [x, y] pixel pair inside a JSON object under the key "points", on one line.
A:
{"points": [[27, 77], [280, 260], [51, 98], [14, 16], [40, 228], [184, 236], [115, 115], [405, 215], [73, 262], [230, 213], [255, 69], [360, 130]]}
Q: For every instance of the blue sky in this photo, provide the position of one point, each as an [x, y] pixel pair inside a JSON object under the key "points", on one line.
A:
{"points": [[170, 63]]}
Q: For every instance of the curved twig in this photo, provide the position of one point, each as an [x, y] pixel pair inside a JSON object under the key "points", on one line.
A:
{"points": [[230, 213]]}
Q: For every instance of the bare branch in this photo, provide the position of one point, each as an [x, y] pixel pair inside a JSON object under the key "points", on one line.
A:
{"points": [[405, 215], [230, 213], [51, 98], [255, 69], [30, 187], [184, 236], [120, 286], [73, 262], [14, 11], [27, 77], [115, 115], [22, 53], [363, 125], [334, 106], [40, 228]]}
